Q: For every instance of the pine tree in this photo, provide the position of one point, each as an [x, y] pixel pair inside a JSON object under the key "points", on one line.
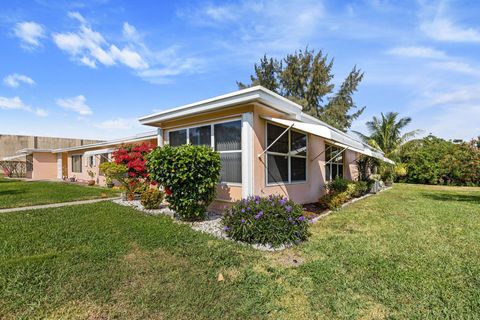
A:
{"points": [[305, 77]]}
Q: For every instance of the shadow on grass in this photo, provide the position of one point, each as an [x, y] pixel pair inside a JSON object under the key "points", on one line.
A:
{"points": [[9, 192], [453, 197]]}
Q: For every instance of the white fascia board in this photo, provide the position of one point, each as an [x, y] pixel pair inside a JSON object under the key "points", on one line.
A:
{"points": [[252, 94], [139, 137]]}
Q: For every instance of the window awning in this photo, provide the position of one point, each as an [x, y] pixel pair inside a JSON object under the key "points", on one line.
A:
{"points": [[332, 137], [99, 151]]}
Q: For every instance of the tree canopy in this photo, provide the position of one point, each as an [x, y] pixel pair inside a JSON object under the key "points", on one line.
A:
{"points": [[385, 133], [305, 77]]}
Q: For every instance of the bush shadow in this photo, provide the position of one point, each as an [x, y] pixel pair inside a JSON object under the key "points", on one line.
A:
{"points": [[474, 198]]}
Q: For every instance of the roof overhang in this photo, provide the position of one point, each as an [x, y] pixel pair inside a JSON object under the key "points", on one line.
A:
{"points": [[332, 136], [249, 95], [137, 138], [99, 151]]}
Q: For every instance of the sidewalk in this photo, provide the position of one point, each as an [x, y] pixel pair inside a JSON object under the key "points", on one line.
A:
{"points": [[56, 205]]}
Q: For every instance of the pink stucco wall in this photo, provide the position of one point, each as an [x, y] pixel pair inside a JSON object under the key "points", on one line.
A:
{"points": [[44, 166]]}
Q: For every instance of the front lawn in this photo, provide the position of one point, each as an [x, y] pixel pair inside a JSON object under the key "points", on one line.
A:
{"points": [[409, 252], [18, 193]]}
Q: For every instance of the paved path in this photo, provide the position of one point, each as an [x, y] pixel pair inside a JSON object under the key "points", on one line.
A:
{"points": [[56, 205]]}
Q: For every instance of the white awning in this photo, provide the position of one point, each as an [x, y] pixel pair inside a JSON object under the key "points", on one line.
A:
{"points": [[99, 151], [332, 136]]}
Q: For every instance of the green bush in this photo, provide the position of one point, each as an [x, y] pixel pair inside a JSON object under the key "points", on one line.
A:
{"points": [[151, 198], [340, 191], [189, 173], [360, 188], [334, 201], [270, 220], [337, 185], [432, 160]]}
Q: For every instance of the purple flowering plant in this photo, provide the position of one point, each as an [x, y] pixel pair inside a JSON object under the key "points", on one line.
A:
{"points": [[273, 220]]}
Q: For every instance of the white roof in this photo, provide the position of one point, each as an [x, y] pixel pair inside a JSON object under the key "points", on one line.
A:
{"points": [[99, 151], [136, 138], [253, 94]]}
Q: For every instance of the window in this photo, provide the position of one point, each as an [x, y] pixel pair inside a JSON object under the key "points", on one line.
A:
{"points": [[227, 140], [200, 136], [77, 164], [334, 167], [91, 161], [287, 157], [177, 138]]}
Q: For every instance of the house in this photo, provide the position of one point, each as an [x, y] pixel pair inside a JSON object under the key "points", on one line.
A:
{"points": [[75, 162], [267, 145]]}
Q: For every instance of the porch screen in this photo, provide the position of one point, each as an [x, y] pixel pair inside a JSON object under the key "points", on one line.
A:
{"points": [[77, 164]]}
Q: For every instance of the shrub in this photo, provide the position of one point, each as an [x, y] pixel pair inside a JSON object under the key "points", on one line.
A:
{"points": [[333, 201], [337, 185], [133, 157], [190, 174], [360, 188], [273, 220], [151, 198]]}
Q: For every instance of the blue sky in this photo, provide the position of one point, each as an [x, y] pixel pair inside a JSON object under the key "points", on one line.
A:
{"points": [[91, 68]]}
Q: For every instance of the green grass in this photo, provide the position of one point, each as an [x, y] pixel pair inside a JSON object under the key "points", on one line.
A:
{"points": [[18, 193], [409, 252]]}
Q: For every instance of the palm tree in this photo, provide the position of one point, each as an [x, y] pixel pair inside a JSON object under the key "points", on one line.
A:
{"points": [[385, 133]]}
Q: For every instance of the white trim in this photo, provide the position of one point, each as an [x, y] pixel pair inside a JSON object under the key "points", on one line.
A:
{"points": [[243, 96], [288, 155], [247, 154], [99, 151], [59, 166], [160, 137], [139, 137]]}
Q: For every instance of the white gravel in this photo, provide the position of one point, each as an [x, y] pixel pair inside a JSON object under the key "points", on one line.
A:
{"points": [[211, 225]]}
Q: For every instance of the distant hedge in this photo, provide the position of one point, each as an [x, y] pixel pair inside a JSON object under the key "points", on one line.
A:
{"points": [[433, 160]]}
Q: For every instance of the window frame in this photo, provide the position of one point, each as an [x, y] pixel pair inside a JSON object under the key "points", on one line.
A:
{"points": [[81, 162], [212, 139], [328, 179], [289, 156]]}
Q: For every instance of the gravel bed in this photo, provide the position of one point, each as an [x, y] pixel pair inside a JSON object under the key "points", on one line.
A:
{"points": [[211, 225]]}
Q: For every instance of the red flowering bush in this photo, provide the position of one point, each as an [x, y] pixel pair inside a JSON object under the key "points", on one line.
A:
{"points": [[133, 158]]}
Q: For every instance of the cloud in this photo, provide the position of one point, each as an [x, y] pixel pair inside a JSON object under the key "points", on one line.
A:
{"points": [[76, 104], [442, 29], [29, 33], [253, 26], [16, 103], [14, 80], [89, 47], [41, 112], [456, 66], [12, 104], [437, 21], [417, 52], [118, 124]]}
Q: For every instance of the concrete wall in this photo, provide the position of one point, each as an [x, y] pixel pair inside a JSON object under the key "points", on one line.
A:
{"points": [[10, 144]]}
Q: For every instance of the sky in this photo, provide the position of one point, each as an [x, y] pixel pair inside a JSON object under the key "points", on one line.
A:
{"points": [[90, 69]]}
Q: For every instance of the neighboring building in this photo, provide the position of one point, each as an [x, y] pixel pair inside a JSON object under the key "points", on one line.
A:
{"points": [[267, 145], [75, 162], [10, 144]]}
